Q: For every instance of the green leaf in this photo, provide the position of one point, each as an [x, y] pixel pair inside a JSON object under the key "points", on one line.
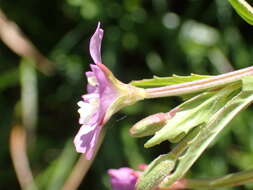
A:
{"points": [[247, 83], [244, 9], [165, 81], [193, 113], [214, 126]]}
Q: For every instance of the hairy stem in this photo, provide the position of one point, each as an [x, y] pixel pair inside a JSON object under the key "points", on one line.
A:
{"points": [[198, 85], [229, 180]]}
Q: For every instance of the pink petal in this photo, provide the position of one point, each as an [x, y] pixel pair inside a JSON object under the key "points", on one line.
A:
{"points": [[122, 179], [95, 45], [86, 139]]}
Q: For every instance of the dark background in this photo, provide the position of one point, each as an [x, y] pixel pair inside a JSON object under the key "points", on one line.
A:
{"points": [[141, 39]]}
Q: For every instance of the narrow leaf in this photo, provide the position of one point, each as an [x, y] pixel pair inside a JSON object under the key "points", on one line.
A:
{"points": [[244, 9], [247, 83], [165, 81]]}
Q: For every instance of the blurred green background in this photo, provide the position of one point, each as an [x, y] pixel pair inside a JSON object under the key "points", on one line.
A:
{"points": [[141, 39]]}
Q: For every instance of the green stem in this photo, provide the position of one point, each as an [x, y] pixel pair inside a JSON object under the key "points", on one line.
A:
{"points": [[198, 85], [229, 180]]}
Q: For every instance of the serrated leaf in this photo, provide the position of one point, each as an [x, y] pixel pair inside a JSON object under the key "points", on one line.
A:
{"points": [[165, 81], [243, 9], [215, 125], [193, 113]]}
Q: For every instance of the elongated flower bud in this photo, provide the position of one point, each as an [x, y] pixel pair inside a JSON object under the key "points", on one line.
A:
{"points": [[149, 125]]}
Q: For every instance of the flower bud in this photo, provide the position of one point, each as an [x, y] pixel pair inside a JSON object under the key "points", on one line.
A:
{"points": [[149, 125], [123, 178]]}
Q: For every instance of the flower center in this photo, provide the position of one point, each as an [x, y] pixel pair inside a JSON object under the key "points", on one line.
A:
{"points": [[92, 80]]}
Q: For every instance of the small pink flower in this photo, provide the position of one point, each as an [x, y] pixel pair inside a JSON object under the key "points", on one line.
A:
{"points": [[126, 179], [105, 96], [123, 178]]}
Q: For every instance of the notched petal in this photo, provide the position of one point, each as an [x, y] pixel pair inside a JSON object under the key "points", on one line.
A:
{"points": [[86, 139], [95, 45]]}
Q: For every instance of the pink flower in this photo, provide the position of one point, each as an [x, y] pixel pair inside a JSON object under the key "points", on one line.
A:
{"points": [[123, 178], [126, 179], [105, 96]]}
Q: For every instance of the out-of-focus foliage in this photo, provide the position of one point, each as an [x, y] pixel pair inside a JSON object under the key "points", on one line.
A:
{"points": [[141, 39]]}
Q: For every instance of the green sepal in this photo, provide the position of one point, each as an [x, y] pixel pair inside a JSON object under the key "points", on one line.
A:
{"points": [[243, 9], [165, 81]]}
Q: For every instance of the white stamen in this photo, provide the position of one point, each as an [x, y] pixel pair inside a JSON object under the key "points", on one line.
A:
{"points": [[90, 97], [88, 109], [92, 81]]}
